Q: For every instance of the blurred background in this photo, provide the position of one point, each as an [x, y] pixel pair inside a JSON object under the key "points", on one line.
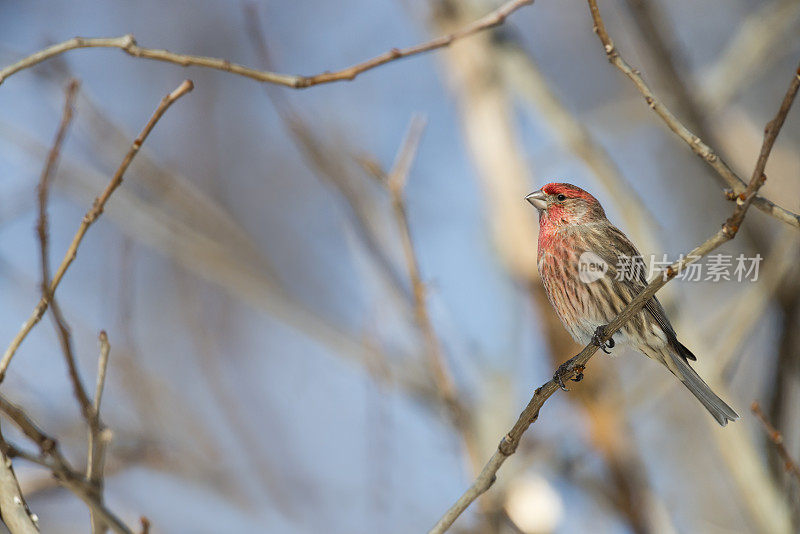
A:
{"points": [[273, 367]]}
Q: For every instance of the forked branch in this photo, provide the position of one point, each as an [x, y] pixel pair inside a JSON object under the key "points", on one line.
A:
{"points": [[697, 145]]}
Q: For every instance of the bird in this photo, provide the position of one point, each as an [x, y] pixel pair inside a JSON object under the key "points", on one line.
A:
{"points": [[582, 260]]}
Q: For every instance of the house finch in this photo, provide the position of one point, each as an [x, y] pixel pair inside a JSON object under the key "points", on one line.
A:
{"points": [[580, 257]]}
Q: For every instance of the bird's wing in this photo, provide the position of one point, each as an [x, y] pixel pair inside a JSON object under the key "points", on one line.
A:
{"points": [[616, 246]]}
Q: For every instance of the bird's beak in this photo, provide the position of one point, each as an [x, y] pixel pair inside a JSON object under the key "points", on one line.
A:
{"points": [[538, 199]]}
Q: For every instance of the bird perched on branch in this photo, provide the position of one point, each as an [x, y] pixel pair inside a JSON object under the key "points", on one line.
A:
{"points": [[588, 268]]}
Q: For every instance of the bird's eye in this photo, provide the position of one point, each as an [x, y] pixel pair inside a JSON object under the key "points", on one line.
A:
{"points": [[561, 198]]}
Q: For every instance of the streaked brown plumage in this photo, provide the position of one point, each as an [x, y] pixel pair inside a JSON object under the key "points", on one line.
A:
{"points": [[573, 232]]}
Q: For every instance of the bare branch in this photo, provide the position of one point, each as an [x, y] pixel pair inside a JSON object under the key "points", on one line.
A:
{"points": [[88, 219], [127, 43], [99, 436], [695, 143], [64, 336], [776, 438]]}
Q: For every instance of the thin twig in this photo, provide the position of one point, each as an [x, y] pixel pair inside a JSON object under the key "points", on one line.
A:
{"points": [[88, 219], [102, 365], [59, 321], [71, 92], [99, 436], [737, 185], [776, 438], [510, 441], [127, 43]]}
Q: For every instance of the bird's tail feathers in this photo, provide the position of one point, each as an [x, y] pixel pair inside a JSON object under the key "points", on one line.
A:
{"points": [[716, 406]]}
